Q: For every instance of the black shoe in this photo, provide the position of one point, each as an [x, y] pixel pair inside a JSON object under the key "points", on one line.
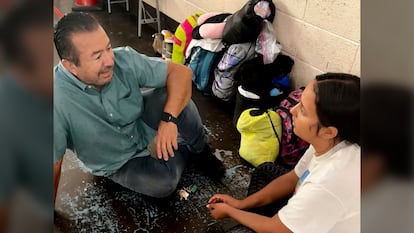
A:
{"points": [[207, 162]]}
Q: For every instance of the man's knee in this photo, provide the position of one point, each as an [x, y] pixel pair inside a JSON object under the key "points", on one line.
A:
{"points": [[190, 108], [167, 187]]}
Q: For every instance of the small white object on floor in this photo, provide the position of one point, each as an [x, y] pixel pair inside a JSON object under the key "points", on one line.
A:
{"points": [[183, 194]]}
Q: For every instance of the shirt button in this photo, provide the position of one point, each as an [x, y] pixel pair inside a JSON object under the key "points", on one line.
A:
{"points": [[132, 136], [89, 86], [119, 127], [110, 114]]}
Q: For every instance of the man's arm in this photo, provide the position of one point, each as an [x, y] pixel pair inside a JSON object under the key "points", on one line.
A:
{"points": [[178, 94], [178, 88], [57, 167]]}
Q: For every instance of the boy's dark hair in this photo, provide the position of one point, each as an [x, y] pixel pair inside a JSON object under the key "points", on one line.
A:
{"points": [[26, 16], [71, 23], [338, 104]]}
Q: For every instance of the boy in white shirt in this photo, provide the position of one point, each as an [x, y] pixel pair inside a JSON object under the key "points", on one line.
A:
{"points": [[325, 184]]}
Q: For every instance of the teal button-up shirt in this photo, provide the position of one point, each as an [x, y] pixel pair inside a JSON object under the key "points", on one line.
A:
{"points": [[104, 128]]}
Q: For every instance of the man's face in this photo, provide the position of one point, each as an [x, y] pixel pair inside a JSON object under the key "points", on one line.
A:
{"points": [[96, 58]]}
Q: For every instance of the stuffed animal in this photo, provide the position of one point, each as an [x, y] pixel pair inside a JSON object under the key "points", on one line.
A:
{"points": [[210, 26], [182, 37]]}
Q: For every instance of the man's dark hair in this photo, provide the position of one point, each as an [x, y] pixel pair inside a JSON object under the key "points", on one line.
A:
{"points": [[28, 15], [338, 104], [71, 23]]}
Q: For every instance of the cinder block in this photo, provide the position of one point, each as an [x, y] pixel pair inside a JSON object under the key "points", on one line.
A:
{"points": [[295, 8], [356, 67], [302, 73], [324, 50], [208, 6], [287, 32], [341, 17], [179, 10], [231, 6]]}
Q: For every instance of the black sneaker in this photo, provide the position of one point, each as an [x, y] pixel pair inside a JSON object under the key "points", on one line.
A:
{"points": [[207, 162]]}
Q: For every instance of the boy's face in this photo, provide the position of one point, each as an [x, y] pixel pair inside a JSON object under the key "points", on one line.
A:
{"points": [[96, 58], [305, 119]]}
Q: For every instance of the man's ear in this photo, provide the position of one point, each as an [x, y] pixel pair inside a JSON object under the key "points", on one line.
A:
{"points": [[328, 132], [70, 66]]}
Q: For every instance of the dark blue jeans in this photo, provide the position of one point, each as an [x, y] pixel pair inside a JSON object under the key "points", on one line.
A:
{"points": [[156, 177]]}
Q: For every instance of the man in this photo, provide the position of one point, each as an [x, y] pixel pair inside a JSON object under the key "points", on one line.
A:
{"points": [[101, 113]]}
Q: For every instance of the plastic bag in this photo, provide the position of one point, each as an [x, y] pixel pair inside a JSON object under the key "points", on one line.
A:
{"points": [[260, 132], [157, 44], [266, 43]]}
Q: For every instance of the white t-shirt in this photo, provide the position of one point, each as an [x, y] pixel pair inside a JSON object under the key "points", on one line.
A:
{"points": [[327, 196]]}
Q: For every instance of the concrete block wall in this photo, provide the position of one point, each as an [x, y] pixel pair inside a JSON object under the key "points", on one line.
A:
{"points": [[320, 35]]}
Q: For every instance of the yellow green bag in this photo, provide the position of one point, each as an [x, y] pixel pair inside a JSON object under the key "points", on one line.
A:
{"points": [[261, 132]]}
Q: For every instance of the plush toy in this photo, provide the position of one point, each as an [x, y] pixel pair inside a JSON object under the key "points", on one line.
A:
{"points": [[210, 26], [182, 37]]}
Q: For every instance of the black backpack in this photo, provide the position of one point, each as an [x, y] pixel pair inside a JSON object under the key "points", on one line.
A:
{"points": [[244, 25]]}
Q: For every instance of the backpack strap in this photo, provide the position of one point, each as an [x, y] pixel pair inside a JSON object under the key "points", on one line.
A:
{"points": [[287, 111], [274, 130], [292, 101]]}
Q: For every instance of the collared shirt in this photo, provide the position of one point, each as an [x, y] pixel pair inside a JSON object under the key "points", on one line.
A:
{"points": [[104, 128]]}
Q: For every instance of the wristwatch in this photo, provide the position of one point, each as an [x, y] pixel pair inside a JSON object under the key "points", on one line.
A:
{"points": [[167, 117]]}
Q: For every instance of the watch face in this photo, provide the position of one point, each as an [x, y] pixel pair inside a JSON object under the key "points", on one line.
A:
{"points": [[168, 117]]}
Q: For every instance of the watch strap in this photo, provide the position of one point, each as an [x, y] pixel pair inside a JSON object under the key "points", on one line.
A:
{"points": [[167, 117]]}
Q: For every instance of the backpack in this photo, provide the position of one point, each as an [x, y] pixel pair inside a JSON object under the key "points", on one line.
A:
{"points": [[292, 147], [202, 63], [245, 24], [260, 135], [260, 79], [225, 83], [182, 37]]}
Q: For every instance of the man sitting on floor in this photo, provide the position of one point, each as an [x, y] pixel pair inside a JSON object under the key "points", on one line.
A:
{"points": [[102, 115]]}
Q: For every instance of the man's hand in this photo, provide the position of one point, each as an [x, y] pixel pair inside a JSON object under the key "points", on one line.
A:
{"points": [[166, 140]]}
